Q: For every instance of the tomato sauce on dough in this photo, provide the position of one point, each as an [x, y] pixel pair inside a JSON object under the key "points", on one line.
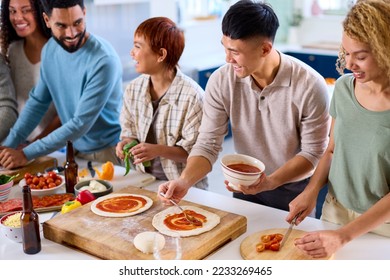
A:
{"points": [[242, 167], [121, 204], [179, 222]]}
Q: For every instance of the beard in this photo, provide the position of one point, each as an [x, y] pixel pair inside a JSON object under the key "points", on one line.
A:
{"points": [[72, 48]]}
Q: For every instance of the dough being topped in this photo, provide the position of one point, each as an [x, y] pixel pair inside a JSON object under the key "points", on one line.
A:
{"points": [[158, 222]]}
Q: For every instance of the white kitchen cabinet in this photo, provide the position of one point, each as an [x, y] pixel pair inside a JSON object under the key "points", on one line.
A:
{"points": [[167, 8]]}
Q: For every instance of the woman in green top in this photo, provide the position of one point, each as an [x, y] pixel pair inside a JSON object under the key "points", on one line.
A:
{"points": [[356, 164]]}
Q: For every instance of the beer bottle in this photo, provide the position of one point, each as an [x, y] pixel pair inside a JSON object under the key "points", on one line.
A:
{"points": [[30, 224], [70, 168]]}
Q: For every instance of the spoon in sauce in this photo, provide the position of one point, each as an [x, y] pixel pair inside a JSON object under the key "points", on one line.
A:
{"points": [[189, 218]]}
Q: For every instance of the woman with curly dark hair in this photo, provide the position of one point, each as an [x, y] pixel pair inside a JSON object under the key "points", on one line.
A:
{"points": [[9, 34], [23, 35]]}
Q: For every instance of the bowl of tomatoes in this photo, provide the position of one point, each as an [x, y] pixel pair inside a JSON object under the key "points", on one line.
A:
{"points": [[43, 184]]}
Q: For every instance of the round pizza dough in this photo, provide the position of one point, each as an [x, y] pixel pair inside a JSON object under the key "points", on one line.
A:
{"points": [[145, 241], [94, 209], [158, 222]]}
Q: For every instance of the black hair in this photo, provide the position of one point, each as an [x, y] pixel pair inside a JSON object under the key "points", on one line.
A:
{"points": [[247, 19], [49, 5]]}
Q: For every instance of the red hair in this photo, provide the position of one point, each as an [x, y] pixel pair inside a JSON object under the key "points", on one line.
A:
{"points": [[161, 32]]}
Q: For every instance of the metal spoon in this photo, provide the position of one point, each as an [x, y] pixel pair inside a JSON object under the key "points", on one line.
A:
{"points": [[189, 218]]}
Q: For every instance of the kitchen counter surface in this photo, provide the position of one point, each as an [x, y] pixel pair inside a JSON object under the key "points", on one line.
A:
{"points": [[368, 246]]}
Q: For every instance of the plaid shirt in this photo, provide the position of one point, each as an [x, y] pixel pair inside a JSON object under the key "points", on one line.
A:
{"points": [[176, 123]]}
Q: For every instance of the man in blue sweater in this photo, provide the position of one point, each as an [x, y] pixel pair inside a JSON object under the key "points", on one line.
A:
{"points": [[82, 75]]}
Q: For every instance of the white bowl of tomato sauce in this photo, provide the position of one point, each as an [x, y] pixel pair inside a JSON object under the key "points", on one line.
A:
{"points": [[43, 184], [239, 169]]}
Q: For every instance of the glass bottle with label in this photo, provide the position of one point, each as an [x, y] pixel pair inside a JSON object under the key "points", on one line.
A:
{"points": [[30, 224], [70, 168]]}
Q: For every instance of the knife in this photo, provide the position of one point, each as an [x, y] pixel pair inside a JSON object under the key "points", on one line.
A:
{"points": [[289, 229], [91, 170]]}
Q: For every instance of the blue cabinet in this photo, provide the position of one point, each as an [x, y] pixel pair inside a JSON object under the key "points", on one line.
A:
{"points": [[323, 64], [204, 75]]}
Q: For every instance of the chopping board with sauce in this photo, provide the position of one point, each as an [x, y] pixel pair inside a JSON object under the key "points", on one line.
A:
{"points": [[37, 165], [112, 238], [287, 252]]}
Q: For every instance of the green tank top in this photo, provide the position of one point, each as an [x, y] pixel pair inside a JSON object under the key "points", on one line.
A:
{"points": [[360, 170]]}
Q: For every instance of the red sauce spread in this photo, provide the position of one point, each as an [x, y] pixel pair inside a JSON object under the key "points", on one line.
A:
{"points": [[121, 204], [242, 167], [179, 222]]}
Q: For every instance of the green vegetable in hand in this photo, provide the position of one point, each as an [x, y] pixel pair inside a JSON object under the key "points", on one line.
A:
{"points": [[130, 157], [4, 179]]}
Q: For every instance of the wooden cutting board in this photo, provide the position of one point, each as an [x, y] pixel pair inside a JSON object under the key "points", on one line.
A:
{"points": [[35, 166], [287, 252], [112, 238]]}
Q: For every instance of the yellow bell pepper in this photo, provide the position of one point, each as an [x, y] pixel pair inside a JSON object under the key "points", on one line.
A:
{"points": [[83, 173], [70, 205], [107, 171]]}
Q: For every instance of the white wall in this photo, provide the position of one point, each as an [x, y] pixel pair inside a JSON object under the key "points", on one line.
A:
{"points": [[321, 29], [118, 22]]}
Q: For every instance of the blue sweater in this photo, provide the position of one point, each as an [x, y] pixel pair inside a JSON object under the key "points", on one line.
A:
{"points": [[86, 88]]}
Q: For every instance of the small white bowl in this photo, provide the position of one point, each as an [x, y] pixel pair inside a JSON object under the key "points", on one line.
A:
{"points": [[86, 183], [41, 192], [237, 177], [12, 233]]}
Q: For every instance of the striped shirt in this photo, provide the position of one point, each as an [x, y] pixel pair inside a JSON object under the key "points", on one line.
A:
{"points": [[177, 122]]}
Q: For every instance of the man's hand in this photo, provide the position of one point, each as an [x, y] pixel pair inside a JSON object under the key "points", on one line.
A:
{"points": [[262, 184], [11, 158], [175, 190]]}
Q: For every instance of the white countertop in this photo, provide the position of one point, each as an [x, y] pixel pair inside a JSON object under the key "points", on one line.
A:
{"points": [[366, 247]]}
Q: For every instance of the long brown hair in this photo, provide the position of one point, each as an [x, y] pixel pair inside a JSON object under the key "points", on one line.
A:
{"points": [[8, 33]]}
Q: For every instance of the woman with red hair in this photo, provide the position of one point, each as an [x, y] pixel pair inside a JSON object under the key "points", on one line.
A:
{"points": [[162, 108]]}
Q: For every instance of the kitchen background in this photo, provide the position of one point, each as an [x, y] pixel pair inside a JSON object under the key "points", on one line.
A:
{"points": [[306, 26], [309, 30]]}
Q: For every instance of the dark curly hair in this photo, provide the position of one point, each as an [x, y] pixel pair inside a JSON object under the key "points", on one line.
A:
{"points": [[8, 33]]}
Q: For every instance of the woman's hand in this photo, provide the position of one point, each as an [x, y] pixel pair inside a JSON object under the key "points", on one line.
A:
{"points": [[119, 147], [321, 244], [145, 152], [304, 204]]}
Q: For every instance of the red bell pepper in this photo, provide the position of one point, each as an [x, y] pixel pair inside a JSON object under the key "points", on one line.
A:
{"points": [[85, 196]]}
